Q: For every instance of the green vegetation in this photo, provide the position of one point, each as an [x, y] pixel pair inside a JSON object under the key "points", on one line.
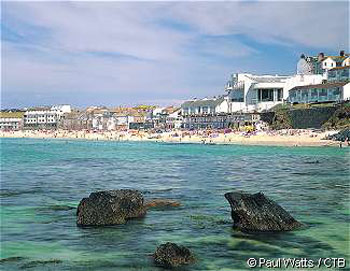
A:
{"points": [[340, 118], [144, 107], [11, 114], [299, 106], [282, 119]]}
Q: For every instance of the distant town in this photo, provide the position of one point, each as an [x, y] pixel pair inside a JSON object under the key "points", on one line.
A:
{"points": [[318, 80]]}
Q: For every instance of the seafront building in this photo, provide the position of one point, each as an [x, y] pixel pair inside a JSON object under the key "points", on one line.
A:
{"points": [[318, 79], [115, 119], [45, 118], [254, 93], [334, 86], [75, 120], [205, 106], [339, 74], [220, 121], [174, 119], [320, 93], [248, 93], [11, 120]]}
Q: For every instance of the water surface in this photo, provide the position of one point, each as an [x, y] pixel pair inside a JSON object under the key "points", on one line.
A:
{"points": [[42, 182]]}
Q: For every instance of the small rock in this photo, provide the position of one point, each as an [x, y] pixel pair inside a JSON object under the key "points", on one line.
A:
{"points": [[171, 255], [255, 212], [161, 203], [111, 207]]}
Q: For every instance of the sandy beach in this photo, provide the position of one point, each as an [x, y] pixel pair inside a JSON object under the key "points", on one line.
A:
{"points": [[277, 138]]}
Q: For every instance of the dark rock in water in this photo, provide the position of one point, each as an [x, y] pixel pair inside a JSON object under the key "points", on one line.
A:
{"points": [[312, 162], [171, 255], [12, 259], [255, 212], [37, 263], [161, 203], [110, 208]]}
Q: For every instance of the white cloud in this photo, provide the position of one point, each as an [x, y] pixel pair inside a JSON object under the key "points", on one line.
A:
{"points": [[151, 51], [315, 24]]}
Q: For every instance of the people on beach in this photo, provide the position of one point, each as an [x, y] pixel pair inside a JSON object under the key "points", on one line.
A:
{"points": [[291, 137]]}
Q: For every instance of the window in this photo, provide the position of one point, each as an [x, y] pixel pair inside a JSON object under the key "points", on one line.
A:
{"points": [[336, 91], [279, 94], [293, 94], [265, 95], [304, 94], [345, 73], [323, 92], [237, 95], [314, 93], [331, 74]]}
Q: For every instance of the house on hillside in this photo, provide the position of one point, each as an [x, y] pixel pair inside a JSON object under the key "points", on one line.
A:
{"points": [[339, 74], [327, 92]]}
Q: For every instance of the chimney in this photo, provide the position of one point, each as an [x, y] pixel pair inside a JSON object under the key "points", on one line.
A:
{"points": [[342, 53], [320, 56]]}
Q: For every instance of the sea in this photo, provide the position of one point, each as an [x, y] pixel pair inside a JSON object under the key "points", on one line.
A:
{"points": [[43, 181]]}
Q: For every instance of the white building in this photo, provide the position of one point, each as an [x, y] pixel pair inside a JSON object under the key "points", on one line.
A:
{"points": [[174, 120], [45, 118], [109, 121], [255, 93], [326, 92], [61, 109], [302, 80], [9, 123], [331, 62], [346, 62], [205, 106], [248, 93]]}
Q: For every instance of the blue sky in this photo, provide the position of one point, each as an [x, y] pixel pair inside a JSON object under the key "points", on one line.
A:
{"points": [[128, 53]]}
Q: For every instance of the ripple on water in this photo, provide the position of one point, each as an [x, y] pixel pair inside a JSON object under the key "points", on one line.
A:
{"points": [[42, 183]]}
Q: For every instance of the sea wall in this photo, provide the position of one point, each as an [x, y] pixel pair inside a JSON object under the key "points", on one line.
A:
{"points": [[302, 118], [310, 118]]}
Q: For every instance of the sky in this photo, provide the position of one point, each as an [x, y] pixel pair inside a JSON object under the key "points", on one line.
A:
{"points": [[130, 53]]}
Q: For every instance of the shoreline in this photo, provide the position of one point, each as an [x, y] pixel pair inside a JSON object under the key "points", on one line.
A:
{"points": [[301, 139]]}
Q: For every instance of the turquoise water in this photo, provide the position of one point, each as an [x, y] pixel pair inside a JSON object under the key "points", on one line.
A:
{"points": [[42, 182]]}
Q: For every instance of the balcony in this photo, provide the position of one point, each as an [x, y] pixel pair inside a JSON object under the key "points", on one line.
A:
{"points": [[234, 86]]}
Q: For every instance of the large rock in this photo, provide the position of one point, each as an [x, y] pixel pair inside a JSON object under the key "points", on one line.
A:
{"points": [[255, 212], [111, 207], [172, 255]]}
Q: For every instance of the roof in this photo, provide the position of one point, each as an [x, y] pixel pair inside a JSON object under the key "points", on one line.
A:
{"points": [[204, 102], [337, 58], [326, 85], [268, 79], [171, 109], [187, 103]]}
